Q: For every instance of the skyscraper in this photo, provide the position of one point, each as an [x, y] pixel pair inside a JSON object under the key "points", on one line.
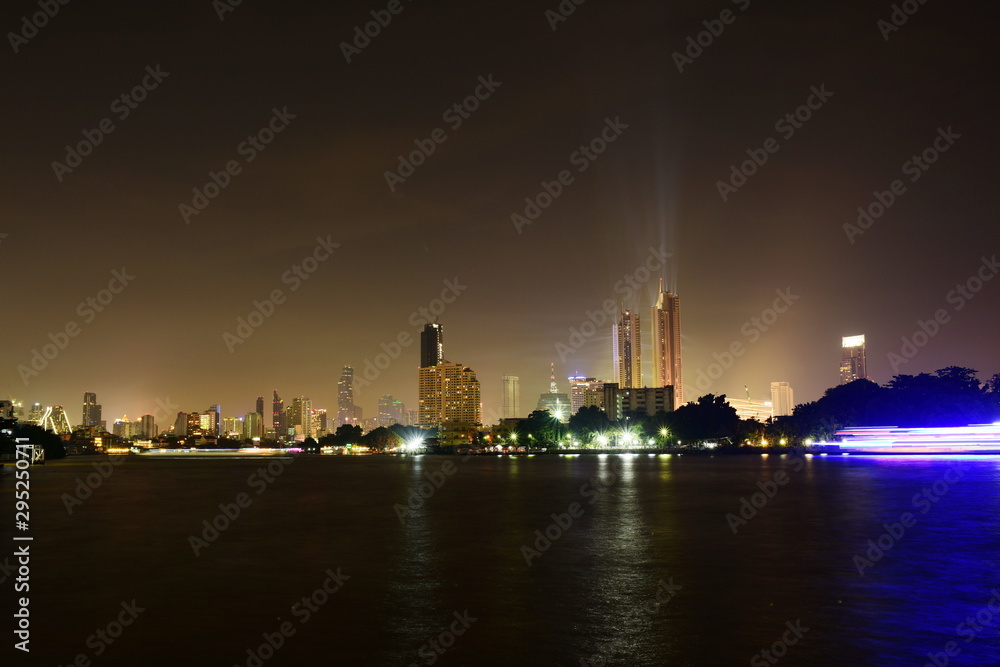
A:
{"points": [[853, 365], [448, 393], [627, 350], [666, 326], [511, 397], [147, 427], [300, 417], [557, 404], [278, 415], [578, 388], [782, 400], [431, 345], [91, 411], [347, 411], [387, 412], [260, 406]]}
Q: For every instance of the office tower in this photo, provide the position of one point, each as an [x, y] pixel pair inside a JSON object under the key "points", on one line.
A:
{"points": [[386, 411], [181, 425], [253, 426], [781, 399], [852, 360], [431, 345], [147, 426], [347, 411], [278, 415], [448, 393], [91, 411], [36, 414], [260, 406], [578, 388], [231, 426], [511, 397], [619, 401], [666, 326], [626, 350], [322, 423], [216, 412], [300, 417]]}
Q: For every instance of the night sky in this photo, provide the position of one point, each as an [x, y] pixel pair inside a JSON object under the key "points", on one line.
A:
{"points": [[323, 176]]}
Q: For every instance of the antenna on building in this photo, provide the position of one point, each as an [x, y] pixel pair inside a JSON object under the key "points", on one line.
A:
{"points": [[552, 379]]}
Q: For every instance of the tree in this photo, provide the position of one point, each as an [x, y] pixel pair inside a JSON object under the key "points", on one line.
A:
{"points": [[588, 421], [540, 429], [381, 439], [709, 418], [346, 434]]}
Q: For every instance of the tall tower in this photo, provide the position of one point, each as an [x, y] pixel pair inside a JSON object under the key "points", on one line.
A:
{"points": [[431, 345], [626, 350], [347, 412], [782, 399], [278, 415], [260, 406], [449, 393], [91, 411], [666, 325], [853, 365], [511, 397]]}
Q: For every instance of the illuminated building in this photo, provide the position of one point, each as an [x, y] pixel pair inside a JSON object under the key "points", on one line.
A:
{"points": [[626, 350], [253, 426], [666, 326], [147, 426], [431, 345], [511, 397], [578, 388], [347, 411], [748, 408], [260, 406], [181, 425], [36, 414], [300, 417], [852, 359], [6, 409], [448, 392], [557, 404], [91, 411], [278, 415], [619, 401], [124, 428], [782, 400], [55, 420]]}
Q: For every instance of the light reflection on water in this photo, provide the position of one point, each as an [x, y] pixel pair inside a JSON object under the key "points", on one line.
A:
{"points": [[661, 518]]}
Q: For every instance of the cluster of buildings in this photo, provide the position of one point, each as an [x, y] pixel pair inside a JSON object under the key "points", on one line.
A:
{"points": [[449, 397]]}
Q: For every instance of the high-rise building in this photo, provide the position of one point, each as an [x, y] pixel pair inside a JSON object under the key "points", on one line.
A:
{"points": [[431, 345], [781, 399], [619, 401], [556, 403], [55, 420], [232, 426], [448, 393], [253, 426], [853, 365], [511, 397], [6, 409], [666, 326], [278, 415], [300, 417], [124, 428], [91, 411], [752, 408], [36, 414], [347, 411], [147, 426], [387, 412], [260, 406], [626, 350], [181, 425], [578, 388]]}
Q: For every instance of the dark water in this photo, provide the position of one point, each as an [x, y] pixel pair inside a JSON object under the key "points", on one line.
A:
{"points": [[589, 597]]}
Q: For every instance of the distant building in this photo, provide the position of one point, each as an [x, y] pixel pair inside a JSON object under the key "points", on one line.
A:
{"points": [[260, 406], [431, 345], [55, 420], [853, 365], [448, 392], [556, 403], [36, 414], [578, 388], [278, 415], [511, 397], [6, 409], [181, 425], [782, 399], [91, 411], [748, 408], [253, 426], [626, 350], [645, 400], [300, 418], [347, 411], [666, 326], [124, 428], [147, 426]]}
